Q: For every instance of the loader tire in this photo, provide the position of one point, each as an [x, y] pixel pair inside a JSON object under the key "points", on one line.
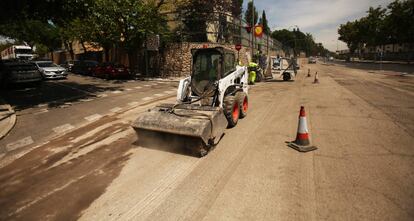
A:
{"points": [[231, 110], [243, 101]]}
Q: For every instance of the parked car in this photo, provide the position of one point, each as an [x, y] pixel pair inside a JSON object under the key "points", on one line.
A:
{"points": [[69, 64], [331, 58], [84, 67], [51, 70], [111, 70], [13, 72], [312, 60]]}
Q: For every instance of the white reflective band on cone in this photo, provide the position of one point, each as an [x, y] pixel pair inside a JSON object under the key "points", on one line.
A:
{"points": [[303, 127]]}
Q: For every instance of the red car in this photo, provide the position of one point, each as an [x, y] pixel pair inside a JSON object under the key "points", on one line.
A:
{"points": [[110, 71]]}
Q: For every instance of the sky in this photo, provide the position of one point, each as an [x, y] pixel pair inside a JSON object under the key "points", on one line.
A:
{"points": [[321, 18]]}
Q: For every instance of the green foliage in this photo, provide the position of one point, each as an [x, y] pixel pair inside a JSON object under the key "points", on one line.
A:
{"points": [[263, 21], [248, 15], [237, 8], [299, 41], [380, 26], [195, 15]]}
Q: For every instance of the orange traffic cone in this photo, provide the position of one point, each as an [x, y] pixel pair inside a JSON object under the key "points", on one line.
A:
{"points": [[316, 81], [309, 72], [302, 143]]}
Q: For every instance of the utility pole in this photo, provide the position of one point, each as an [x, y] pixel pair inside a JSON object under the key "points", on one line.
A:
{"points": [[253, 29]]}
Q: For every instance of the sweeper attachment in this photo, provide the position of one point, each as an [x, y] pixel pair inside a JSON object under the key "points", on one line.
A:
{"points": [[212, 98]]}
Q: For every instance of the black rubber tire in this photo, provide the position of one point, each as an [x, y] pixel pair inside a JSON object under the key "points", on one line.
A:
{"points": [[286, 76], [229, 104], [241, 97]]}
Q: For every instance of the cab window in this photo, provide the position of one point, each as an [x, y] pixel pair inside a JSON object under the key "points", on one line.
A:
{"points": [[229, 64]]}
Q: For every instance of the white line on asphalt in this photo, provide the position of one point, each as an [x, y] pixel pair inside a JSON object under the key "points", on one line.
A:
{"points": [[42, 111], [93, 117], [115, 109], [158, 95], [128, 89], [116, 92], [41, 105], [103, 95], [133, 103], [147, 85], [138, 87], [20, 143], [63, 128], [146, 98], [86, 100]]}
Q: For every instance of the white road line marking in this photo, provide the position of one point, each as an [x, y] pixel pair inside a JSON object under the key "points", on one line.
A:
{"points": [[63, 128], [171, 91], [147, 85], [158, 95], [116, 92], [103, 95], [41, 105], [20, 143], [128, 89], [115, 109], [146, 98], [138, 87], [133, 103], [93, 117], [86, 100]]}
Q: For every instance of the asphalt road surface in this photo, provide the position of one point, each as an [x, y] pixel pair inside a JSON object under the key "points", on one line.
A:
{"points": [[361, 120]]}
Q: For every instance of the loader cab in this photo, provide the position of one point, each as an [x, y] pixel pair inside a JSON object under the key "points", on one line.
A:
{"points": [[209, 66]]}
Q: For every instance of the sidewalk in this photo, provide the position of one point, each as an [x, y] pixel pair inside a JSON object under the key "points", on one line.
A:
{"points": [[378, 62], [7, 118]]}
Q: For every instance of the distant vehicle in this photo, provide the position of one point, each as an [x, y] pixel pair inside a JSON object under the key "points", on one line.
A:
{"points": [[312, 60], [283, 68], [21, 52], [51, 70], [331, 58], [69, 64], [84, 67], [111, 70], [13, 72]]}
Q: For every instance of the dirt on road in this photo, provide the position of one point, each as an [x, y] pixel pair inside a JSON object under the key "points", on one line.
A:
{"points": [[362, 124]]}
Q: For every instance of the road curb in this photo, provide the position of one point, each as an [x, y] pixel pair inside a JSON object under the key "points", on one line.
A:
{"points": [[9, 120]]}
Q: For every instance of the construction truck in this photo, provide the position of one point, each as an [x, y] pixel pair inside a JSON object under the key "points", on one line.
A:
{"points": [[283, 68], [214, 97], [21, 52]]}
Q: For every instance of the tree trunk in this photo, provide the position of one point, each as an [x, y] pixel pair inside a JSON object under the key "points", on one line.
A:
{"points": [[106, 51], [84, 47]]}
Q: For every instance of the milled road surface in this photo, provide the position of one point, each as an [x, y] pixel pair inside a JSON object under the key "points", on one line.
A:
{"points": [[361, 122]]}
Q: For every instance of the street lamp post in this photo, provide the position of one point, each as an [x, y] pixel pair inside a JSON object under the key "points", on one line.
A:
{"points": [[253, 29]]}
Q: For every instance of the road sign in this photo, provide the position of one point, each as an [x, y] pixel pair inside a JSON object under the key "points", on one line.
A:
{"points": [[238, 47], [258, 31]]}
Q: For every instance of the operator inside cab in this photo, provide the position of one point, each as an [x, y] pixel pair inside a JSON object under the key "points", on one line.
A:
{"points": [[207, 68]]}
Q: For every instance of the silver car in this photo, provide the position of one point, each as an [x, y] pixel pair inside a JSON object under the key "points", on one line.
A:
{"points": [[51, 70]]}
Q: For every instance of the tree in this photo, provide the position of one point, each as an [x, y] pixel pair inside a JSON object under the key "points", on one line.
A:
{"points": [[237, 8], [250, 12], [124, 23], [263, 21]]}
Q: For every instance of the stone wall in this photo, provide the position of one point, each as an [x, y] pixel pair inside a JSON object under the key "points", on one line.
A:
{"points": [[176, 57]]}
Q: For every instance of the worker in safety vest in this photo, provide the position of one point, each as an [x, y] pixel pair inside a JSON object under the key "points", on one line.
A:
{"points": [[252, 72]]}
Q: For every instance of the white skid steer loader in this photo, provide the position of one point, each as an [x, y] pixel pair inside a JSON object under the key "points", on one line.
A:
{"points": [[214, 97]]}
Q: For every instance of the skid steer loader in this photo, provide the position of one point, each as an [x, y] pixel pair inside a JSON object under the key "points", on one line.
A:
{"points": [[212, 98]]}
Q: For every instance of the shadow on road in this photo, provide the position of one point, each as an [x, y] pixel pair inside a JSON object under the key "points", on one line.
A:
{"points": [[407, 68], [52, 94]]}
